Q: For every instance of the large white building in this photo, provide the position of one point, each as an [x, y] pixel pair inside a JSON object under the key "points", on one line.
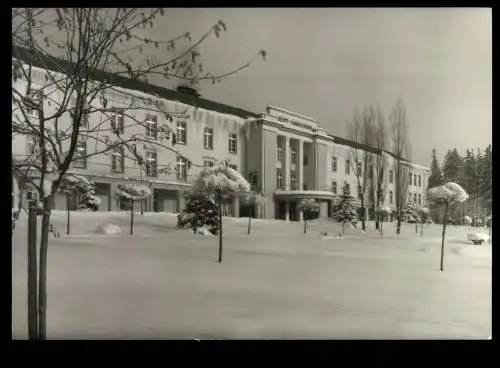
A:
{"points": [[285, 155]]}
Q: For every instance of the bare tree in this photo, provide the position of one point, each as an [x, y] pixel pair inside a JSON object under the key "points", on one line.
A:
{"points": [[360, 130], [380, 144], [401, 149], [63, 104]]}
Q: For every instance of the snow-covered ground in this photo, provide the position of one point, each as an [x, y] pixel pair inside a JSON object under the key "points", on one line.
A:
{"points": [[163, 282]]}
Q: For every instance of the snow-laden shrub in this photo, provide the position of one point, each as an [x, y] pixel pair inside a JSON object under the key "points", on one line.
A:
{"points": [[200, 211], [108, 228], [310, 208], [221, 180], [449, 192], [467, 220], [134, 192]]}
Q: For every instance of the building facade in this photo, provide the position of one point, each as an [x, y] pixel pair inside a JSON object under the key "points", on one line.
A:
{"points": [[285, 155]]}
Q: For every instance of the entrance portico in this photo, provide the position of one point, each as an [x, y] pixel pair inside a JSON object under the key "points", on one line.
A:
{"points": [[287, 203]]}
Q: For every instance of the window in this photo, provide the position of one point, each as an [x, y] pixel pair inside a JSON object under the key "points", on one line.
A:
{"points": [[419, 199], [420, 181], [293, 152], [304, 161], [410, 179], [234, 167], [35, 96], [279, 147], [391, 176], [181, 168], [391, 199], [208, 163], [233, 143], [84, 122], [208, 138], [347, 167], [31, 195], [151, 126], [293, 180], [334, 164], [118, 160], [348, 186], [80, 160], [279, 178], [117, 122], [415, 198], [152, 163], [181, 133], [334, 187], [415, 180], [253, 179], [33, 146], [360, 168]]}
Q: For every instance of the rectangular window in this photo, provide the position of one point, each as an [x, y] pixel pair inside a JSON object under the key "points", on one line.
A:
{"points": [[304, 160], [152, 164], [208, 163], [118, 160], [348, 186], [293, 180], [391, 199], [334, 164], [279, 148], [35, 96], [233, 143], [84, 122], [117, 122], [181, 168], [360, 168], [391, 176], [293, 153], [415, 180], [80, 160], [420, 181], [347, 167], [334, 187], [410, 179], [31, 195], [279, 178], [419, 199], [253, 179], [151, 126], [181, 133], [415, 198], [208, 138]]}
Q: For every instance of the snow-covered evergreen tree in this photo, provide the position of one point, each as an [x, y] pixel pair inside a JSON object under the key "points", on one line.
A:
{"points": [[436, 177], [345, 211], [203, 209]]}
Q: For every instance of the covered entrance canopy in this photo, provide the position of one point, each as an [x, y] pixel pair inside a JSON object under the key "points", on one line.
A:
{"points": [[287, 203]]}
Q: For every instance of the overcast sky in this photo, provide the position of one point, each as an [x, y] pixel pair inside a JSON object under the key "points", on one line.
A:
{"points": [[323, 62]]}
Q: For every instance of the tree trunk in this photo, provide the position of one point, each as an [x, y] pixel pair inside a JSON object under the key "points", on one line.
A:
{"points": [[249, 223], [398, 228], [363, 226], [68, 201], [142, 207], [422, 229], [343, 227], [305, 225], [42, 277], [131, 217], [416, 227], [220, 231], [442, 236], [381, 228], [32, 276]]}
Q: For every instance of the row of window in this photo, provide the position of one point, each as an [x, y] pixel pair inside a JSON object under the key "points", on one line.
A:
{"points": [[415, 177], [151, 164], [280, 183], [151, 125], [417, 198]]}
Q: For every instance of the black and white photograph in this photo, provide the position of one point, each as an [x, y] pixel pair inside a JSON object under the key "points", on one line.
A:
{"points": [[251, 173]]}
